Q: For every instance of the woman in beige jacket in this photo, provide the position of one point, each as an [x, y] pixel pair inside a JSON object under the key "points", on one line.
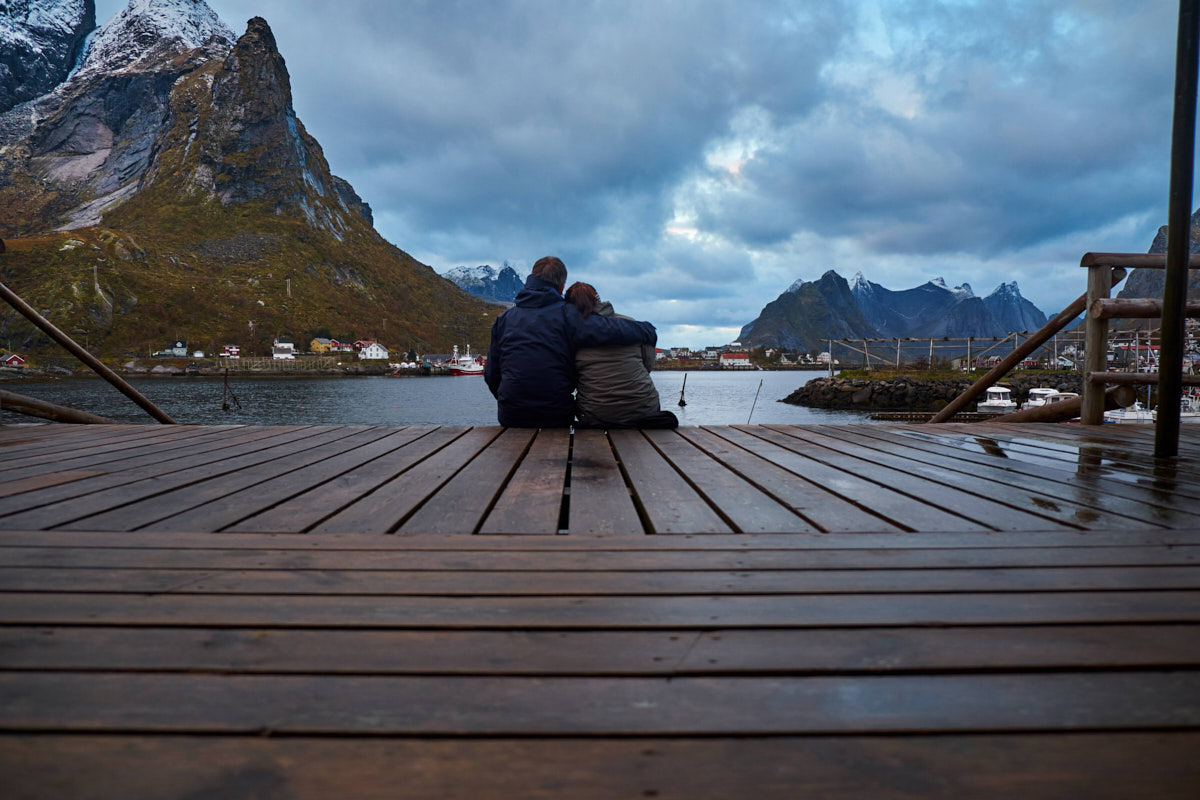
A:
{"points": [[613, 387]]}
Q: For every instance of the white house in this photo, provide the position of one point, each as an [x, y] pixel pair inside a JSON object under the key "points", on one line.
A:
{"points": [[176, 349], [735, 360], [283, 347], [372, 351]]}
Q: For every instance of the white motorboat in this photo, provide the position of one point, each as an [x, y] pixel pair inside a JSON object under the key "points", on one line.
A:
{"points": [[997, 401], [1189, 410], [1037, 397], [1134, 414], [1058, 397]]}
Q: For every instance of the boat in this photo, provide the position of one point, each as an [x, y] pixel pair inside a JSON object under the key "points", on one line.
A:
{"points": [[1059, 397], [1134, 414], [1037, 397], [465, 365], [997, 401], [1189, 409]]}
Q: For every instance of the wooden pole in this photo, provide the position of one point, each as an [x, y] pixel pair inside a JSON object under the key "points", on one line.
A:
{"points": [[1052, 327], [31, 406], [1095, 346], [1179, 232], [57, 335]]}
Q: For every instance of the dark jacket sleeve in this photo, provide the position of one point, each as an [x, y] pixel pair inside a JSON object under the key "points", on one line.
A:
{"points": [[597, 331], [491, 370]]}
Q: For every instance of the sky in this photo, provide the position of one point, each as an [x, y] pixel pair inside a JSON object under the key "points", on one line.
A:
{"points": [[693, 158]]}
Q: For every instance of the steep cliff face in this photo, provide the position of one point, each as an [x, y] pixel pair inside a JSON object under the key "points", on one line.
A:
{"points": [[921, 311], [1012, 311], [1150, 282], [167, 190], [40, 43]]}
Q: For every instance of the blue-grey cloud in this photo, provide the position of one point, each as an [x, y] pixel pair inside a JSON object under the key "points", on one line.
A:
{"points": [[694, 157]]}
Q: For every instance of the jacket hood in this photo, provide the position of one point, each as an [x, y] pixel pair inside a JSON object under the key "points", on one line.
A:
{"points": [[537, 294]]}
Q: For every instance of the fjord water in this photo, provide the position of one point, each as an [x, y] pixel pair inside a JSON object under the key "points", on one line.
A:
{"points": [[713, 398]]}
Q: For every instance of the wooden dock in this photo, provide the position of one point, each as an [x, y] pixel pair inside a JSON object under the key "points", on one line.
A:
{"points": [[950, 611]]}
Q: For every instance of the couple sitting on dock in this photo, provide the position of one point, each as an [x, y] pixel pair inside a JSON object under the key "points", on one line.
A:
{"points": [[544, 348]]}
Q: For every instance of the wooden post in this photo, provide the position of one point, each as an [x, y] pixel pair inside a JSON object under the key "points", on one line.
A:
{"points": [[1095, 346], [1179, 232]]}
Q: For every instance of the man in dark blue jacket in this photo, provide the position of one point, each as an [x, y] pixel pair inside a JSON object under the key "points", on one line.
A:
{"points": [[531, 361]]}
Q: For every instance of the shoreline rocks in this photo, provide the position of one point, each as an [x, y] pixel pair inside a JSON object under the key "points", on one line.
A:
{"points": [[913, 394]]}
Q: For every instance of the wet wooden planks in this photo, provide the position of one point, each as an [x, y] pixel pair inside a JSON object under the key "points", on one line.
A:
{"points": [[711, 480], [976, 664]]}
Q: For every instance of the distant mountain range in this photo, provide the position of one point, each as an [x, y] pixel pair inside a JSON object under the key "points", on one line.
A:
{"points": [[810, 313], [486, 283]]}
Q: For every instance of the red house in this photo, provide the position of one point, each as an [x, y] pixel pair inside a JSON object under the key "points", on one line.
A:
{"points": [[13, 360]]}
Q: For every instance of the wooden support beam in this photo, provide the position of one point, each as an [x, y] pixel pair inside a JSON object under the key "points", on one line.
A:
{"points": [[42, 409], [1135, 308], [1135, 378], [1132, 260]]}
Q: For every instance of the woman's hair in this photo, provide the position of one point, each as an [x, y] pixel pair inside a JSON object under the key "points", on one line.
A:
{"points": [[583, 296]]}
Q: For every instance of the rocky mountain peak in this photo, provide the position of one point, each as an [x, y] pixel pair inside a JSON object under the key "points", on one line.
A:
{"points": [[40, 41], [144, 26]]}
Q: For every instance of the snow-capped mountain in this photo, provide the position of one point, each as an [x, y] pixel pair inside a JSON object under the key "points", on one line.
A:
{"points": [[1012, 311], [925, 310], [487, 283], [145, 26], [809, 313], [40, 42]]}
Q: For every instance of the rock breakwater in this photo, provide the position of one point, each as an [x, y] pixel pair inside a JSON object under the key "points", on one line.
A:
{"points": [[913, 394]]}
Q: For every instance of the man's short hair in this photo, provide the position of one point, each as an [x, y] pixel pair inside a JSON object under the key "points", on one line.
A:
{"points": [[550, 269]]}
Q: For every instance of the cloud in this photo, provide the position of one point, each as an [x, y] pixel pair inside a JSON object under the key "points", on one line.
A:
{"points": [[692, 158]]}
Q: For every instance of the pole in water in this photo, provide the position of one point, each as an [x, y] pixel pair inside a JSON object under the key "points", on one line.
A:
{"points": [[683, 402], [752, 405]]}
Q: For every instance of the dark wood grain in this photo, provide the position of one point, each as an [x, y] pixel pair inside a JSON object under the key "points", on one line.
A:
{"points": [[669, 502], [666, 652], [386, 507], [531, 502], [547, 582], [459, 506], [1098, 766], [599, 500], [604, 613], [746, 507], [457, 705], [826, 510], [588, 559]]}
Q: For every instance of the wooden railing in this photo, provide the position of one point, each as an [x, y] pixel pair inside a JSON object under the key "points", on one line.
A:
{"points": [[1101, 307]]}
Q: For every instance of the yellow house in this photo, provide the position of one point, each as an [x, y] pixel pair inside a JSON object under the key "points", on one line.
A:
{"points": [[320, 346]]}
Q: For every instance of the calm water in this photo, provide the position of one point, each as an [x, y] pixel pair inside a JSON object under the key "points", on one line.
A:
{"points": [[714, 398]]}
